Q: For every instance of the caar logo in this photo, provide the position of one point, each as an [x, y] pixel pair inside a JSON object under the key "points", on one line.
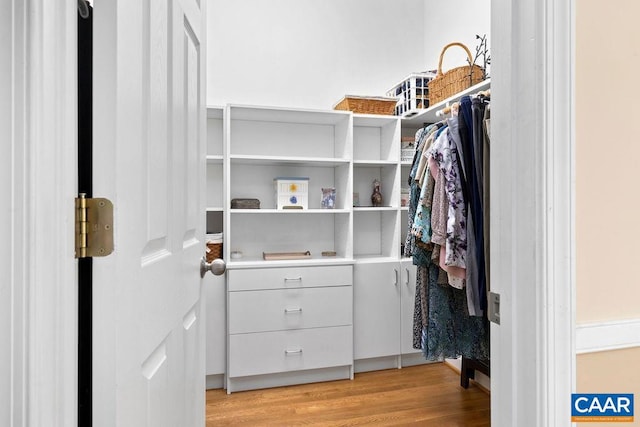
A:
{"points": [[601, 407]]}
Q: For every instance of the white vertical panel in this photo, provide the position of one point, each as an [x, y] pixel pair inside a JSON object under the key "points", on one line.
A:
{"points": [[155, 370], [158, 125], [193, 130]]}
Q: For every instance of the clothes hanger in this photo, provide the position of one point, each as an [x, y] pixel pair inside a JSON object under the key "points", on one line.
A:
{"points": [[449, 109]]}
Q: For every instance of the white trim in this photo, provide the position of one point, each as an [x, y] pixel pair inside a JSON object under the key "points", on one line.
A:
{"points": [[559, 304], [533, 355], [607, 336], [50, 288]]}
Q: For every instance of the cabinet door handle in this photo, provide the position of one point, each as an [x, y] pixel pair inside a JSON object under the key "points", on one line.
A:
{"points": [[395, 270], [293, 310], [293, 279], [290, 352], [407, 277]]}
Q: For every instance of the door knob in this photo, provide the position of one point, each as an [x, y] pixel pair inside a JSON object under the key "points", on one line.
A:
{"points": [[216, 267]]}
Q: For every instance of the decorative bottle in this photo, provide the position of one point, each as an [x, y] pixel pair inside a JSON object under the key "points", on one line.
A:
{"points": [[376, 196]]}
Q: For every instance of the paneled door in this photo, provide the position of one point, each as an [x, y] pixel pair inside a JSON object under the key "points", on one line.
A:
{"points": [[149, 154]]}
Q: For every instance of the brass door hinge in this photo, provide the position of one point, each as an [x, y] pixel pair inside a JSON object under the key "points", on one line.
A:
{"points": [[94, 227]]}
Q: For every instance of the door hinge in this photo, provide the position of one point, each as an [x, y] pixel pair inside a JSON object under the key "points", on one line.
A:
{"points": [[94, 227], [494, 308]]}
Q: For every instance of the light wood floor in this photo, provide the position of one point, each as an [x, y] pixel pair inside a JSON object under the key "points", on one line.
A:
{"points": [[425, 395]]}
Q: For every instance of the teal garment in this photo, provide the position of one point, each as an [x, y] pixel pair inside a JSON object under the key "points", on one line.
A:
{"points": [[450, 331]]}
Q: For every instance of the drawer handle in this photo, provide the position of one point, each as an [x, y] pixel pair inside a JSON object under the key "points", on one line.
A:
{"points": [[395, 283], [289, 352], [293, 279], [293, 310], [407, 277]]}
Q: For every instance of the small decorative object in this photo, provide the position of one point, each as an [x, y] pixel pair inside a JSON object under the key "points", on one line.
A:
{"points": [[328, 253], [376, 196], [407, 148], [245, 204], [292, 192], [404, 196], [328, 198], [481, 50], [285, 255], [236, 254], [356, 199]]}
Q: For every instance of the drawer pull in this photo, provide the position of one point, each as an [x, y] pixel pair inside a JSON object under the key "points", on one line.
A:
{"points": [[290, 352], [407, 277], [293, 310], [293, 279]]}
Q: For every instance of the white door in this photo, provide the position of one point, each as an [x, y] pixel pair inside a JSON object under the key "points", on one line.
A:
{"points": [[376, 311], [149, 151]]}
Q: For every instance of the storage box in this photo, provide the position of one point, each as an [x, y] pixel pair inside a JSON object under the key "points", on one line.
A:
{"points": [[367, 104], [245, 204], [292, 192], [413, 93]]}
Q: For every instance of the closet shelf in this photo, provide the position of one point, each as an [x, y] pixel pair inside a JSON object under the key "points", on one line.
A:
{"points": [[374, 163], [374, 208], [287, 161], [374, 259], [288, 115], [214, 159], [288, 211], [429, 115], [315, 260]]}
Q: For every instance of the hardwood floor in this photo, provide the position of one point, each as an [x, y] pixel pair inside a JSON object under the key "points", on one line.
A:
{"points": [[425, 395]]}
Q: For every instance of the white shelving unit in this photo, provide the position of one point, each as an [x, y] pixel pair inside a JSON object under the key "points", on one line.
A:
{"points": [[214, 286], [344, 313], [264, 143], [380, 274], [291, 320]]}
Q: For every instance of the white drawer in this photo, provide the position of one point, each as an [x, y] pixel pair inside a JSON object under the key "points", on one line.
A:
{"points": [[282, 351], [289, 277], [278, 309]]}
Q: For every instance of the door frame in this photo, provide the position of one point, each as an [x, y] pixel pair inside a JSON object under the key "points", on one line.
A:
{"points": [[43, 166], [532, 376], [532, 211]]}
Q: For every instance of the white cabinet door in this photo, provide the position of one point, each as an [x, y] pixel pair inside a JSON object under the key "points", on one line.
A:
{"points": [[376, 311], [407, 305], [215, 293], [149, 154]]}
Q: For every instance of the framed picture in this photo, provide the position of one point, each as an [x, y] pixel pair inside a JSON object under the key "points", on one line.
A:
{"points": [[328, 198]]}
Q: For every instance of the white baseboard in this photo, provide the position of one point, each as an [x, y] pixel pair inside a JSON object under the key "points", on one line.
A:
{"points": [[607, 336]]}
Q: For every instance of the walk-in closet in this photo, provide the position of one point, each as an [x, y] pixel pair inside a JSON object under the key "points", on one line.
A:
{"points": [[320, 208]]}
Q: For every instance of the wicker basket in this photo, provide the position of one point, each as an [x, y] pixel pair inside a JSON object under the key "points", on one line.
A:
{"points": [[455, 80], [214, 251], [367, 105]]}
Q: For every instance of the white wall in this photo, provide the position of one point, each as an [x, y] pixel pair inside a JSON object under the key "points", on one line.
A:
{"points": [[454, 21], [310, 53]]}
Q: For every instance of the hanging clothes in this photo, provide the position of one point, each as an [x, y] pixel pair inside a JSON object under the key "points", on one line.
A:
{"points": [[448, 234]]}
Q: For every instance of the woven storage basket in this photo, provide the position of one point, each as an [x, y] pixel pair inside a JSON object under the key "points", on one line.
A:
{"points": [[214, 251], [367, 105], [455, 80]]}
